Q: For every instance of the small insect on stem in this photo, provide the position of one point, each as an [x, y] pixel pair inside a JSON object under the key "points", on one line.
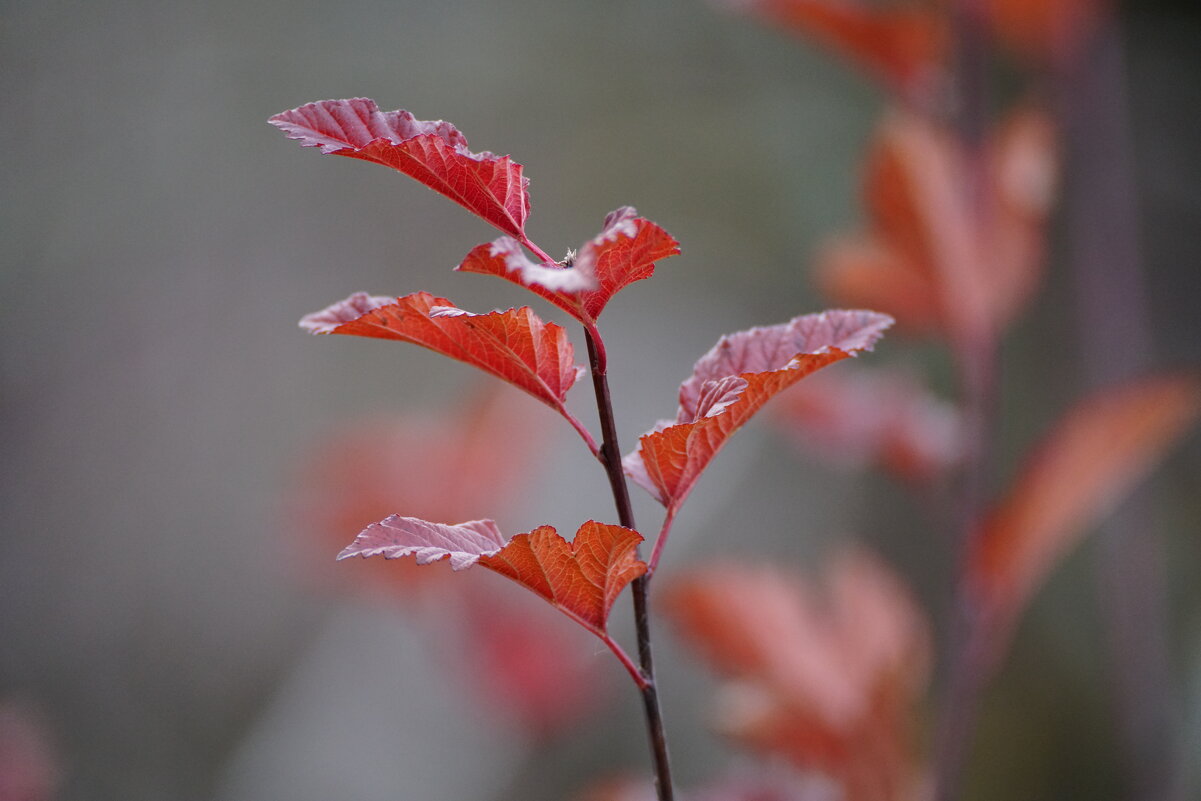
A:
{"points": [[569, 259]]}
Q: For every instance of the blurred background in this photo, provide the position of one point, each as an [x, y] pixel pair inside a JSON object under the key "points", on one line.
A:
{"points": [[168, 628]]}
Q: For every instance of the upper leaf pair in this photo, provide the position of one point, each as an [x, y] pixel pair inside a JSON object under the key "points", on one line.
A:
{"points": [[516, 345], [493, 188]]}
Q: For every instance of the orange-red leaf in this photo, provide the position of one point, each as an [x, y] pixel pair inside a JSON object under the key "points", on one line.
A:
{"points": [[432, 152], [582, 578], [515, 345], [943, 253], [625, 251], [885, 418], [1049, 32], [30, 765], [1078, 473], [826, 678], [902, 46], [732, 382], [865, 272], [540, 673], [439, 465]]}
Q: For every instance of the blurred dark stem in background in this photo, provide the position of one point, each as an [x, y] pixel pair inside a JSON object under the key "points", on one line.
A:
{"points": [[1113, 317]]}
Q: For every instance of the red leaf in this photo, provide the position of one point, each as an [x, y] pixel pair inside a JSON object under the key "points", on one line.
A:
{"points": [[440, 465], [515, 345], [826, 677], [860, 418], [1050, 32], [396, 536], [901, 46], [30, 768], [432, 152], [540, 673], [582, 578], [865, 271], [935, 258], [1080, 471], [625, 251], [732, 382]]}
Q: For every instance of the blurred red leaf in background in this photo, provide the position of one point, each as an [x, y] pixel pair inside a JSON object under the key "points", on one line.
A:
{"points": [[900, 44], [861, 418], [29, 762], [1048, 32], [905, 44], [535, 672], [940, 255], [536, 668], [438, 467], [827, 679], [1076, 475], [432, 152]]}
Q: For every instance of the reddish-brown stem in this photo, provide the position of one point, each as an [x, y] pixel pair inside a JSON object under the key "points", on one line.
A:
{"points": [[537, 251], [575, 423], [967, 673], [668, 519], [595, 342], [583, 432], [611, 459], [971, 74], [634, 671], [966, 669]]}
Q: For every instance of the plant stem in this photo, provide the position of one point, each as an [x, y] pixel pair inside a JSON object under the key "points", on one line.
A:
{"points": [[584, 433], [660, 541], [611, 458], [967, 671], [537, 251], [971, 72], [634, 671]]}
